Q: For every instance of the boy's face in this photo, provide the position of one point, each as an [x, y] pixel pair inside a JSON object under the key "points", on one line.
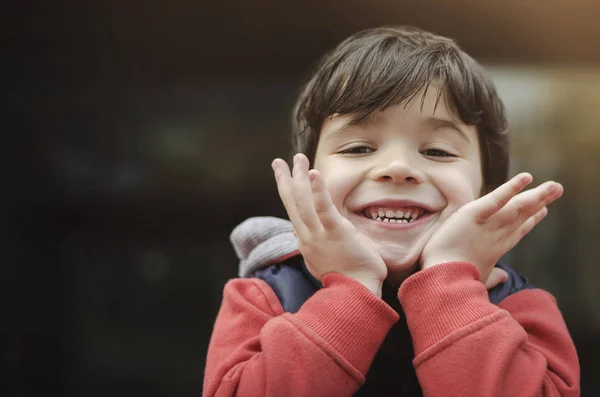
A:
{"points": [[398, 175]]}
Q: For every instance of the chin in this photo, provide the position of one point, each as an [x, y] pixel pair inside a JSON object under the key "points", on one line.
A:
{"points": [[400, 262]]}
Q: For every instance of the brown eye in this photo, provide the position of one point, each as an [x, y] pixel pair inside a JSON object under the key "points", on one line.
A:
{"points": [[437, 153], [357, 150]]}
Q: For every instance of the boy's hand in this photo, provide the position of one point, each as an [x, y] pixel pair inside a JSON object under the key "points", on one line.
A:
{"points": [[497, 276], [482, 231], [328, 241]]}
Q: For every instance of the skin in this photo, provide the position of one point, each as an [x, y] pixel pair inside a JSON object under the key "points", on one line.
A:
{"points": [[413, 156]]}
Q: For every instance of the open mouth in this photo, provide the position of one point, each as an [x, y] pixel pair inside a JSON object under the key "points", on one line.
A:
{"points": [[394, 215]]}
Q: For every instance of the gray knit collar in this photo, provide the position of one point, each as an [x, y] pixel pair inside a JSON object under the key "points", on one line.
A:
{"points": [[262, 241]]}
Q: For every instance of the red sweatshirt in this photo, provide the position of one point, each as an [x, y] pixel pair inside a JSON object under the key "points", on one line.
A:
{"points": [[463, 344]]}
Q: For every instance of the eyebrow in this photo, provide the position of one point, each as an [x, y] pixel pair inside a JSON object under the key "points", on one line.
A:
{"points": [[434, 123], [437, 124], [356, 121]]}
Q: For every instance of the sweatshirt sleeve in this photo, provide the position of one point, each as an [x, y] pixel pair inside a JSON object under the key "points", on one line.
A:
{"points": [[325, 349], [466, 346]]}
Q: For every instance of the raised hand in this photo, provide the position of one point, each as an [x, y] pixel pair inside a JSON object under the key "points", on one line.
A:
{"points": [[482, 231], [328, 241]]}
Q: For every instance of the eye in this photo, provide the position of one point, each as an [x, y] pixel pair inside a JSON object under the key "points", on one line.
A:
{"points": [[357, 150], [437, 153]]}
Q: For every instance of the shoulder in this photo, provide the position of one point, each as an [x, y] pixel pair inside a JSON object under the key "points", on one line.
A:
{"points": [[268, 251], [290, 281], [514, 284], [244, 294]]}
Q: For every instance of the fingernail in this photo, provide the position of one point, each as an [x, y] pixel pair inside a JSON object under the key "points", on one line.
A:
{"points": [[526, 178], [295, 159], [553, 189], [274, 165]]}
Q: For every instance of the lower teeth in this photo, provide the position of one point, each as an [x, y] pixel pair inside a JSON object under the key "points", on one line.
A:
{"points": [[393, 220]]}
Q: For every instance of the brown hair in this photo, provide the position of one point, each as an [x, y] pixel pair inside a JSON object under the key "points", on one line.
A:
{"points": [[381, 67]]}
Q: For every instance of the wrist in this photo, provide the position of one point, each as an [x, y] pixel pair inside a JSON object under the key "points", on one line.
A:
{"points": [[373, 284], [431, 262]]}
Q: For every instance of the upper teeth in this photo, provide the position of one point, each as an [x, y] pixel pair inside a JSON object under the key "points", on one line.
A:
{"points": [[391, 215]]}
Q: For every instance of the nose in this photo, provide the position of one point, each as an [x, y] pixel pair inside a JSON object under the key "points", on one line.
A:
{"points": [[397, 168]]}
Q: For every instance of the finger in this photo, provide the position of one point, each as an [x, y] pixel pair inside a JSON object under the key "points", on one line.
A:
{"points": [[326, 211], [528, 225], [285, 187], [527, 204], [493, 202], [496, 277], [303, 193]]}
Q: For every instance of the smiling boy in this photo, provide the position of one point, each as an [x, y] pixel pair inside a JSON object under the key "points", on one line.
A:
{"points": [[404, 214]]}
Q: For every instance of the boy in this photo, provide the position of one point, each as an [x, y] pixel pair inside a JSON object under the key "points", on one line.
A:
{"points": [[378, 285]]}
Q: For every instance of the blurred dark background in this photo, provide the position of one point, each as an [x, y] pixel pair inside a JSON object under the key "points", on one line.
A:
{"points": [[138, 134]]}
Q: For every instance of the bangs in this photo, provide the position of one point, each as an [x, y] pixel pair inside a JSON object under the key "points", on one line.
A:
{"points": [[388, 72]]}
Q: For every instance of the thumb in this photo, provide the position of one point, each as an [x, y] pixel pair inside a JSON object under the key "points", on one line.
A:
{"points": [[497, 276]]}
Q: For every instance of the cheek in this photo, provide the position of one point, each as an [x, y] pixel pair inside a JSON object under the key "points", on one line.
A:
{"points": [[461, 189], [466, 180], [339, 184]]}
